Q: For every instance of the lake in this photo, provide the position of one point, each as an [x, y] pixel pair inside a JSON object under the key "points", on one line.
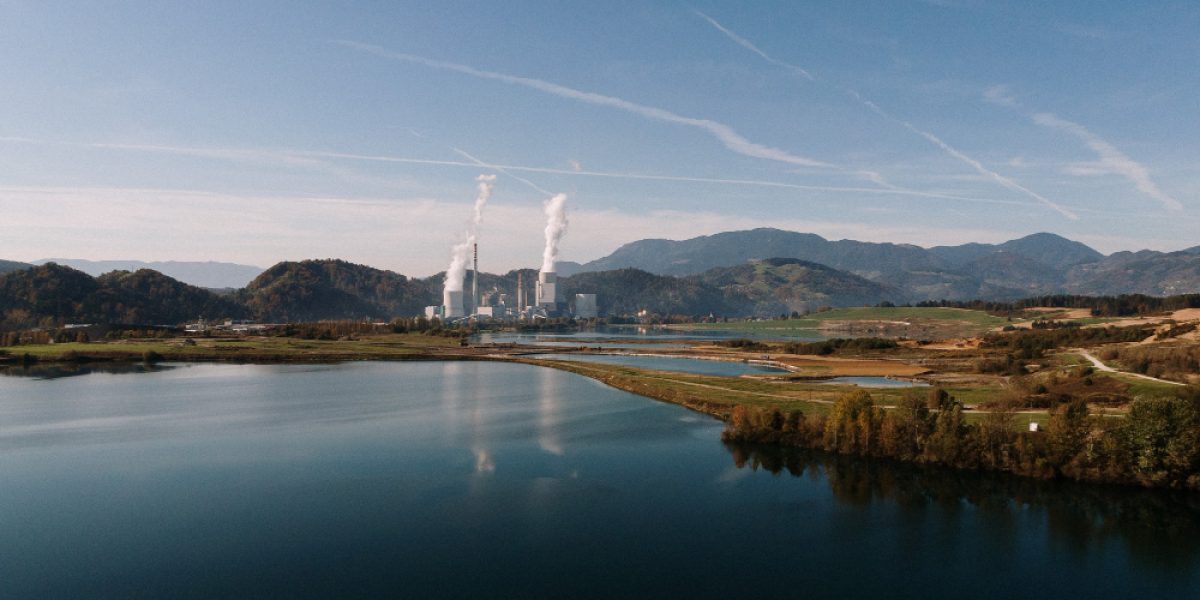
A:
{"points": [[477, 479]]}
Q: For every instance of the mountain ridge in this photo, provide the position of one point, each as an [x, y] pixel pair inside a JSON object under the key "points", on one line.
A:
{"points": [[206, 274]]}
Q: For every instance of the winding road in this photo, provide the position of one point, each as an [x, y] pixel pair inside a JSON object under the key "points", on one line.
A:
{"points": [[1107, 369]]}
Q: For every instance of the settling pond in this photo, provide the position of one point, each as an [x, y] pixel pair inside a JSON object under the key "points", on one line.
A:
{"points": [[476, 479]]}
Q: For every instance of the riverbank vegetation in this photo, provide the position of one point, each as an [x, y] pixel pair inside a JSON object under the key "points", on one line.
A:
{"points": [[1094, 425], [1157, 444]]}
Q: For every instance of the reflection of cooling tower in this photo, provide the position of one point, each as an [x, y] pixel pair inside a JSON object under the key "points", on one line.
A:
{"points": [[452, 300], [547, 288]]}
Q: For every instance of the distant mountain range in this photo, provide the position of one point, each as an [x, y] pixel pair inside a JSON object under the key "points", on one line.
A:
{"points": [[11, 265], [1042, 263], [215, 275], [761, 272]]}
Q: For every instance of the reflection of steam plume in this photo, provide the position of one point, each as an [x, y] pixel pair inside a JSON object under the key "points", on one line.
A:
{"points": [[460, 252], [549, 414], [556, 225]]}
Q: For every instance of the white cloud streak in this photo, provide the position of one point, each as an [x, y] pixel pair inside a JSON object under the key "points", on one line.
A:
{"points": [[887, 191], [936, 141], [999, 95], [725, 134], [305, 157], [504, 170], [1111, 160], [994, 176], [745, 43]]}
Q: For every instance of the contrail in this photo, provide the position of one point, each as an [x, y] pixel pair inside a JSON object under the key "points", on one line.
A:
{"points": [[304, 157], [745, 43], [503, 170], [892, 191], [1111, 159], [730, 138], [994, 176], [949, 150]]}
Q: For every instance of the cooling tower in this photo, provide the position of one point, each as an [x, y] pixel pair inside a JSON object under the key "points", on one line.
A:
{"points": [[452, 301], [547, 288]]}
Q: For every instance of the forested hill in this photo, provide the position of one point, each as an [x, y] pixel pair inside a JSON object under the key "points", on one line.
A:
{"points": [[207, 274], [333, 289], [52, 294], [784, 285], [12, 265], [311, 290]]}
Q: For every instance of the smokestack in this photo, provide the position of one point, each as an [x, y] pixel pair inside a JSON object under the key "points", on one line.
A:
{"points": [[456, 273], [475, 280], [520, 291]]}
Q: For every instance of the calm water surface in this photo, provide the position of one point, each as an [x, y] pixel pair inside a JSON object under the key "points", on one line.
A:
{"points": [[489, 479]]}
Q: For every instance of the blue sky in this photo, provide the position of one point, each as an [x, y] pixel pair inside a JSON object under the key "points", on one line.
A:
{"points": [[258, 132]]}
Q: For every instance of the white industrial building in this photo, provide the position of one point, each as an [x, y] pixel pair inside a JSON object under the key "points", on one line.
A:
{"points": [[547, 290], [585, 306]]}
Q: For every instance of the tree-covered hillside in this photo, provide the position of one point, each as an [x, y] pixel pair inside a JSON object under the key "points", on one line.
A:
{"points": [[312, 290], [51, 295]]}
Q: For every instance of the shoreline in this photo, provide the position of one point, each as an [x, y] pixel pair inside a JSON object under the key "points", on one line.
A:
{"points": [[717, 397]]}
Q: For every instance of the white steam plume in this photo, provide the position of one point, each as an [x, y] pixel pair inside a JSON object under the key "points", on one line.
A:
{"points": [[462, 251], [556, 225]]}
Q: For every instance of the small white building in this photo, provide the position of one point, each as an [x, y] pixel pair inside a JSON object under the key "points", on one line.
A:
{"points": [[495, 312]]}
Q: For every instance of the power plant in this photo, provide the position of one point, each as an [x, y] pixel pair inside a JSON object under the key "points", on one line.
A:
{"points": [[546, 302]]}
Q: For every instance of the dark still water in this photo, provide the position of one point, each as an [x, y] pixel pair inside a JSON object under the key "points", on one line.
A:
{"points": [[503, 480]]}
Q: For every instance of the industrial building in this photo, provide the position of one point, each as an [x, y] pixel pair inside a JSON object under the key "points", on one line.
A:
{"points": [[585, 306], [547, 290]]}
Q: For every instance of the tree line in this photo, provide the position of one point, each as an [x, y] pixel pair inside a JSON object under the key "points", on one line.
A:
{"points": [[1157, 444], [1124, 305]]}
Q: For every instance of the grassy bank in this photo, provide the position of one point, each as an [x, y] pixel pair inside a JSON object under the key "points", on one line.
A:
{"points": [[899, 320]]}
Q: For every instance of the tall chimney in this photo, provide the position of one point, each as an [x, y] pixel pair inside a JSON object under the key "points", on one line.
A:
{"points": [[475, 281], [520, 291]]}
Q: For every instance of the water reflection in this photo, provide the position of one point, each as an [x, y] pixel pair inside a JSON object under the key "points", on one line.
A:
{"points": [[1159, 529], [60, 370], [549, 414]]}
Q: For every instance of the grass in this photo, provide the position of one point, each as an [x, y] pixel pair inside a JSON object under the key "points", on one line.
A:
{"points": [[960, 319], [1139, 387], [718, 395], [244, 348]]}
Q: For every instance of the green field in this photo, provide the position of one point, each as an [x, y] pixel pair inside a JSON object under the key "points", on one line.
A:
{"points": [[249, 348], [959, 318]]}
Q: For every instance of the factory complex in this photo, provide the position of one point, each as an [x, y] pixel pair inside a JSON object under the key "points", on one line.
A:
{"points": [[545, 301]]}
